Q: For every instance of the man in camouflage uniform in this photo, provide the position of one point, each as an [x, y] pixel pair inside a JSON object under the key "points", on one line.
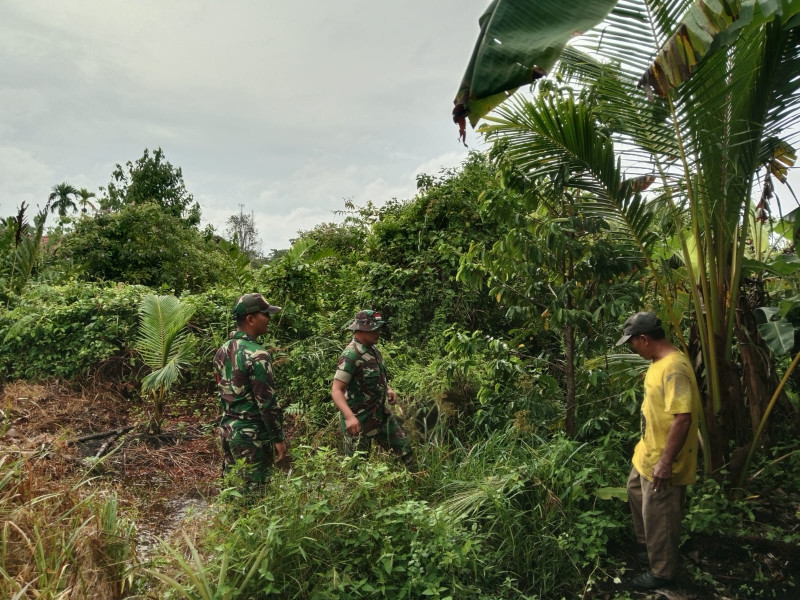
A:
{"points": [[251, 421], [361, 391]]}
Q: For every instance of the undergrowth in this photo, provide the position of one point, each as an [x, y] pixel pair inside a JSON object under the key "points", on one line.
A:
{"points": [[502, 518], [59, 538]]}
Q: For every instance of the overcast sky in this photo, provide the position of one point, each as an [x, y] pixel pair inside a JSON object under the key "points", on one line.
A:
{"points": [[287, 108]]}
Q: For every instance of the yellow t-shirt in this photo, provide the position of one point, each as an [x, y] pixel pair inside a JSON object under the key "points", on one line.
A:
{"points": [[670, 388]]}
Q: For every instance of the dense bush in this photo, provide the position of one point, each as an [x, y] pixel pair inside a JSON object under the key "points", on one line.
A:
{"points": [[511, 516], [63, 330], [144, 245]]}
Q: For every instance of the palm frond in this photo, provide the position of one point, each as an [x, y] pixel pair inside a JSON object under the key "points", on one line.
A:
{"points": [[163, 343], [557, 138]]}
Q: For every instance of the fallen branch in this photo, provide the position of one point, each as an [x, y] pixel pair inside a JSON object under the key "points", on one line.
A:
{"points": [[105, 446], [101, 434]]}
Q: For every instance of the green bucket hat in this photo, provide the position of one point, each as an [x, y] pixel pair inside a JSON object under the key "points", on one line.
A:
{"points": [[366, 320], [253, 303]]}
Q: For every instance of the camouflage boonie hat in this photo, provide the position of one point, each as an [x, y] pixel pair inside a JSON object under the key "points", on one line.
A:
{"points": [[253, 303], [366, 320]]}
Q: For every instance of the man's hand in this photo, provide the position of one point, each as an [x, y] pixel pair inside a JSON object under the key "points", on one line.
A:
{"points": [[281, 451], [350, 420], [353, 425], [676, 437], [662, 475], [391, 396]]}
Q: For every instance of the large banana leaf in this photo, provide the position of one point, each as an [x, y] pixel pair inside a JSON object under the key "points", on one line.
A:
{"points": [[707, 25], [777, 331], [520, 41]]}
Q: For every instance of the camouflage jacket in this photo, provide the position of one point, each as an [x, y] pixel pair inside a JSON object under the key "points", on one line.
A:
{"points": [[361, 368], [247, 385]]}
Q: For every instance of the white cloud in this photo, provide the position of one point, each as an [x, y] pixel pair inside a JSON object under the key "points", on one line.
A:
{"points": [[448, 160], [285, 108]]}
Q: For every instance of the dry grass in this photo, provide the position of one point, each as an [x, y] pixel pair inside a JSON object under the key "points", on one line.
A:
{"points": [[57, 409], [58, 538], [60, 534]]}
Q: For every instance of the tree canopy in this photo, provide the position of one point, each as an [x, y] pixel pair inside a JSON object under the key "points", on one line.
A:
{"points": [[151, 179]]}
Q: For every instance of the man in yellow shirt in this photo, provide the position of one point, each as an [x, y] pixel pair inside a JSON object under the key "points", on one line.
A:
{"points": [[665, 459]]}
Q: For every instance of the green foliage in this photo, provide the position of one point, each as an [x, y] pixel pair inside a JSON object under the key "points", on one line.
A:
{"points": [[20, 246], [61, 331], [777, 332], [144, 245], [710, 511], [328, 530], [166, 346], [512, 516], [505, 387], [409, 268], [151, 179]]}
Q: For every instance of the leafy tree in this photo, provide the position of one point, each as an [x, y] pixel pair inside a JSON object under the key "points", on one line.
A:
{"points": [[165, 345], [412, 255], [241, 230], [296, 280], [151, 179], [62, 199], [142, 244], [83, 199], [557, 267]]}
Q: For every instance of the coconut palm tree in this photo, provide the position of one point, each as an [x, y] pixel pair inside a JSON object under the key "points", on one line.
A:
{"points": [[702, 97], [83, 199], [165, 345], [61, 199]]}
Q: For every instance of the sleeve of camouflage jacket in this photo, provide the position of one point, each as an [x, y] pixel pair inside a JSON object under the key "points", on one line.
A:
{"points": [[262, 382]]}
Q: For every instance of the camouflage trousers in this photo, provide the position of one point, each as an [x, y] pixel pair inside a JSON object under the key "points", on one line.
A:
{"points": [[249, 441], [382, 427]]}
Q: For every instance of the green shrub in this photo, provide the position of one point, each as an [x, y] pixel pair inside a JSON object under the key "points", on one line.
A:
{"points": [[338, 528], [60, 331], [503, 518]]}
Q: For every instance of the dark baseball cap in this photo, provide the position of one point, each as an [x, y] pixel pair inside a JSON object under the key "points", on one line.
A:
{"points": [[253, 303], [638, 324]]}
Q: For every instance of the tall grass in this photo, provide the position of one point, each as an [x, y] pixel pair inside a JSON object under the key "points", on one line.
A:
{"points": [[506, 517], [57, 539]]}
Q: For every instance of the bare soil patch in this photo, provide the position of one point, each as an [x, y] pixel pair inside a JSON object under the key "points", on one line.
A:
{"points": [[154, 476]]}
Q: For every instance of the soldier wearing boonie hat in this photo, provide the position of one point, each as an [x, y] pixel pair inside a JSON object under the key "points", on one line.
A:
{"points": [[361, 392], [251, 423]]}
